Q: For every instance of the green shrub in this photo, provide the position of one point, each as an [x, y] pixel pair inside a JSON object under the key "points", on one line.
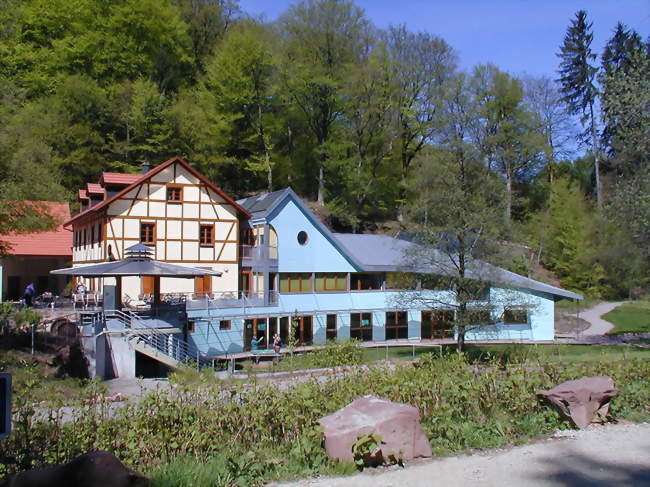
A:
{"points": [[263, 433]]}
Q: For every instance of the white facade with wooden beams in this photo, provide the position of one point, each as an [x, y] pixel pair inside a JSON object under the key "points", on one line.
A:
{"points": [[182, 216]]}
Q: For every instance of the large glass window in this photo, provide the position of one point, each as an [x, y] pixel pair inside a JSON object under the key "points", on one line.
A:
{"points": [[515, 316], [295, 282], [397, 325], [302, 329], [331, 327], [361, 326], [331, 282], [437, 324], [365, 282]]}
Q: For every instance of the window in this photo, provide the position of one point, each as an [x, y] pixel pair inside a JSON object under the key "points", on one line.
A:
{"points": [[92, 235], [365, 282], [302, 237], [331, 282], [302, 329], [191, 326], [437, 324], [174, 194], [206, 235], [361, 326], [295, 282], [247, 236], [224, 324], [397, 325], [330, 331], [85, 241], [148, 233], [99, 232], [515, 316]]}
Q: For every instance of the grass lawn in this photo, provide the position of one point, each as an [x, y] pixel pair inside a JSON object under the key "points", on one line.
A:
{"points": [[630, 318]]}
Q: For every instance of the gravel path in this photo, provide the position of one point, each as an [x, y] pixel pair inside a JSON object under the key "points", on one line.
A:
{"points": [[593, 316], [613, 455]]}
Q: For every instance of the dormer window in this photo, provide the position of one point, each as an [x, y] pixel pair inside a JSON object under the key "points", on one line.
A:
{"points": [[174, 194]]}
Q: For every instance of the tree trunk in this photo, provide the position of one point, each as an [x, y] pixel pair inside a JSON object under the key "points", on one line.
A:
{"points": [[321, 180], [596, 150], [508, 196], [460, 343]]}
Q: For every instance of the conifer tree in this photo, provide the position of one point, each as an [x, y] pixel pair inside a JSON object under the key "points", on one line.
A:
{"points": [[577, 80]]}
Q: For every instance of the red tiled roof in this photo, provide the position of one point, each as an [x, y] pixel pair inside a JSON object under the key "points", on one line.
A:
{"points": [[118, 179], [56, 242], [154, 171], [93, 188], [83, 194]]}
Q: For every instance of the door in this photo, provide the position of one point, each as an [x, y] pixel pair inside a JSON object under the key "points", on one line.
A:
{"points": [[147, 284], [13, 288], [255, 327], [245, 282], [303, 330]]}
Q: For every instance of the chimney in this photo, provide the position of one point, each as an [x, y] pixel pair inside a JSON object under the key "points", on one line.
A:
{"points": [[145, 166]]}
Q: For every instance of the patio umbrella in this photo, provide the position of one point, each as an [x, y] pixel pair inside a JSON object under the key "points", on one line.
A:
{"points": [[138, 262]]}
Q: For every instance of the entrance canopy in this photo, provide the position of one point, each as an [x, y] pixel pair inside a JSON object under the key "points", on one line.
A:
{"points": [[137, 263]]}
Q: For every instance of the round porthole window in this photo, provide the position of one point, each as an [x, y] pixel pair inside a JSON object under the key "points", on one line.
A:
{"points": [[302, 237]]}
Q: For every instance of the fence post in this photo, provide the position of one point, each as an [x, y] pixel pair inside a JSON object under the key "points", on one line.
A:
{"points": [[198, 364]]}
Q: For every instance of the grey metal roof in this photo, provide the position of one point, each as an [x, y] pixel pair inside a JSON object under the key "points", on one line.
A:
{"points": [[381, 253], [260, 205], [135, 267]]}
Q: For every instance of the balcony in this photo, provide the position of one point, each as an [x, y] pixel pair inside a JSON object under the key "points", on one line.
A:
{"points": [[229, 299], [258, 256]]}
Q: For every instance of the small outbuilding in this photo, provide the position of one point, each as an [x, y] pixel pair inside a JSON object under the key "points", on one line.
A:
{"points": [[34, 255]]}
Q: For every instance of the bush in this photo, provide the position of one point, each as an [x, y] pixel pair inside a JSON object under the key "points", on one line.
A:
{"points": [[270, 433]]}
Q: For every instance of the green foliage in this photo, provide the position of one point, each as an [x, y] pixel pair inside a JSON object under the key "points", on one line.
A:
{"points": [[248, 436], [365, 450], [334, 354], [27, 316]]}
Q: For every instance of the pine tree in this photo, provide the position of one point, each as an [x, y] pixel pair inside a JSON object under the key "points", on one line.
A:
{"points": [[577, 77]]}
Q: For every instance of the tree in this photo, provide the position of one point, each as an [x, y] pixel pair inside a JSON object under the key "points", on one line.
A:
{"points": [[207, 21], [577, 76], [570, 237], [364, 171], [421, 66], [324, 40], [242, 77], [625, 98], [457, 216], [508, 132], [543, 98]]}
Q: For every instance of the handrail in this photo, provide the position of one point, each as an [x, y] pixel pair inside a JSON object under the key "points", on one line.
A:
{"points": [[175, 348]]}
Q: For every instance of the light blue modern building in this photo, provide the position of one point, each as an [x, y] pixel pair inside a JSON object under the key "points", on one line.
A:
{"points": [[309, 285]]}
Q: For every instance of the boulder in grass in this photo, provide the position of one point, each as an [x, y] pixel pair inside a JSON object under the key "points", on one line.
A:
{"points": [[95, 469], [398, 426], [584, 400]]}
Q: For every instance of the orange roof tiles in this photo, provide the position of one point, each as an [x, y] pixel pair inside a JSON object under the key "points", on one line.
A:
{"points": [[118, 179], [56, 242], [93, 188]]}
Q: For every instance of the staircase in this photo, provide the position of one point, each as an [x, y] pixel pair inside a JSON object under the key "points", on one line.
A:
{"points": [[158, 343]]}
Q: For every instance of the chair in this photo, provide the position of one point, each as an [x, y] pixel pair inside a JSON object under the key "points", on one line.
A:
{"points": [[79, 299]]}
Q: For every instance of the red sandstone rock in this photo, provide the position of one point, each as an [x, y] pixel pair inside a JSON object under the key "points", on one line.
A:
{"points": [[585, 400], [398, 424]]}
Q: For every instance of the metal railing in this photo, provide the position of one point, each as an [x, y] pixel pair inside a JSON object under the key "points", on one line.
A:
{"points": [[227, 299], [258, 252], [164, 343]]}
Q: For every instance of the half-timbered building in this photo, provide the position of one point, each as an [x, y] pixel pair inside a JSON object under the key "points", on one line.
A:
{"points": [[173, 209]]}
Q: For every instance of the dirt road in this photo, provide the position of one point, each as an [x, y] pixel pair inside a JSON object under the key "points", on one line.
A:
{"points": [[615, 455], [593, 315]]}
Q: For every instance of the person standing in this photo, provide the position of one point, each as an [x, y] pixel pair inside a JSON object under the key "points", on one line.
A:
{"points": [[81, 291], [30, 291]]}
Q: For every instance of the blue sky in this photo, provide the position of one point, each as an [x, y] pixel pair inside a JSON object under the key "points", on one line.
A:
{"points": [[519, 36]]}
